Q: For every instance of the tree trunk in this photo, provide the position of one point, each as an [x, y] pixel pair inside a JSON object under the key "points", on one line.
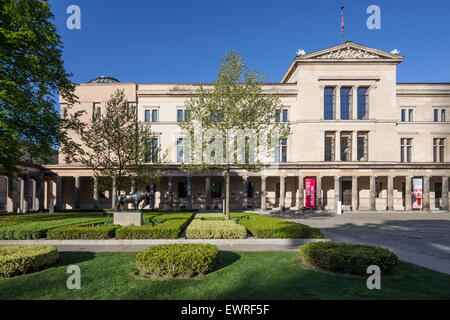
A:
{"points": [[227, 196]]}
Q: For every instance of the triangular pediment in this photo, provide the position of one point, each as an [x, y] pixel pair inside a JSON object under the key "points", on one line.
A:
{"points": [[350, 51]]}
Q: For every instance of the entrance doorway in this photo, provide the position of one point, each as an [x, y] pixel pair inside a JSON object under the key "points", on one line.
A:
{"points": [[346, 193]]}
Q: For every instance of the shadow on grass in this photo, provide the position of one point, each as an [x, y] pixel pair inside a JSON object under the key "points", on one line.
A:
{"points": [[70, 257]]}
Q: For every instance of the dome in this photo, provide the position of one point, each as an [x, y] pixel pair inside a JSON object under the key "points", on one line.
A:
{"points": [[104, 79]]}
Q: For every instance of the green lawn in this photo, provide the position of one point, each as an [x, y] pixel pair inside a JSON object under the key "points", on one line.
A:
{"points": [[246, 275]]}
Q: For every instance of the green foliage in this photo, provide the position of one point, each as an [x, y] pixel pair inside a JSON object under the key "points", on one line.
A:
{"points": [[215, 229], [210, 216], [170, 260], [97, 229], [347, 257], [266, 227], [16, 260], [171, 228], [31, 75]]}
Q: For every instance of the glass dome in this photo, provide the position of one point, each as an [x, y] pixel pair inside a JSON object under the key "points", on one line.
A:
{"points": [[104, 79]]}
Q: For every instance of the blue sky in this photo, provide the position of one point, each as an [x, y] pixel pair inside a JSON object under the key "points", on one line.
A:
{"points": [[182, 41]]}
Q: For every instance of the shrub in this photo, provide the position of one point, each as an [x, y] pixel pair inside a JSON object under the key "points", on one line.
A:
{"points": [[266, 227], [16, 260], [210, 216], [215, 229], [171, 228], [348, 258], [186, 260], [100, 229]]}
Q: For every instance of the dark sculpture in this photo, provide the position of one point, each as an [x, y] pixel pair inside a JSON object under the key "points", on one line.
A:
{"points": [[134, 198]]}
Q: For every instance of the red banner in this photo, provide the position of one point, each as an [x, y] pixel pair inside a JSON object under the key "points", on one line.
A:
{"points": [[310, 187]]}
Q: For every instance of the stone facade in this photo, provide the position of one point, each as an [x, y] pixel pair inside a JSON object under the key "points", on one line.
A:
{"points": [[363, 148]]}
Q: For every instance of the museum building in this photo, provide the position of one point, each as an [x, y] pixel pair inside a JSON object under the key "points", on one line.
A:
{"points": [[359, 139]]}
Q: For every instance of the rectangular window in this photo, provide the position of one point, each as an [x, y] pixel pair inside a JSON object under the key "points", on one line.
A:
{"points": [[328, 108], [182, 189], [362, 103], [96, 110], [436, 115], [403, 117], [410, 115], [216, 190], [438, 149], [151, 153], [179, 115], [183, 115], [285, 115], [147, 116], [281, 151], [329, 146], [345, 103], [443, 115], [405, 149], [362, 146], [278, 116], [154, 115], [180, 150], [346, 146]]}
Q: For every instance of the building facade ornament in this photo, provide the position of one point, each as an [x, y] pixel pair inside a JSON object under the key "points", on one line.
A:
{"points": [[349, 53]]}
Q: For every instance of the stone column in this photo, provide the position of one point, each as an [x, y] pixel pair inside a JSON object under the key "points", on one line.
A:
{"points": [[426, 193], [95, 193], [337, 191], [444, 193], [390, 193], [319, 192], [76, 198], [133, 185], [408, 199], [263, 193], [354, 146], [299, 197], [244, 192], [354, 193], [21, 186], [372, 193], [337, 150], [338, 102], [113, 192], [41, 191], [189, 193], [51, 201], [208, 192], [59, 193], [282, 191], [33, 194], [170, 200], [355, 102]]}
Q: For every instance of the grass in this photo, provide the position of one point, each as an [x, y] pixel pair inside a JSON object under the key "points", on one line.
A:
{"points": [[245, 275]]}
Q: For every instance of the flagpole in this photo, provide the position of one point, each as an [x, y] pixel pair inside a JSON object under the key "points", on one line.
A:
{"points": [[342, 24]]}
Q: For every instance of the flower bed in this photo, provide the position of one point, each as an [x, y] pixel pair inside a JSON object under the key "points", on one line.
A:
{"points": [[97, 229], [213, 226]]}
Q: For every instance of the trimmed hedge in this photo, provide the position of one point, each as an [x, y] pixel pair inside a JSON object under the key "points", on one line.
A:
{"points": [[16, 260], [91, 230], [349, 258], [271, 228], [169, 229], [215, 229], [170, 260]]}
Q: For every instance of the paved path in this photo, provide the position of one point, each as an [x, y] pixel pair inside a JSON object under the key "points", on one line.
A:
{"points": [[419, 238]]}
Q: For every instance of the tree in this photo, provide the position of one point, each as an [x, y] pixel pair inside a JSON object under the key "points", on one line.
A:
{"points": [[31, 73], [233, 123], [114, 144]]}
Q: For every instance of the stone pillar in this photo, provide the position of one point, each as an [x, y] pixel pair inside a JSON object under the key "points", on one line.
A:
{"points": [[408, 199], [444, 193], [390, 193], [338, 103], [337, 150], [208, 192], [244, 192], [33, 194], [170, 200], [282, 191], [21, 186], [133, 185], [59, 193], [337, 191], [354, 146], [372, 193], [27, 188], [354, 193], [189, 193], [299, 197], [113, 192], [95, 193], [76, 202], [319, 192], [263, 193], [355, 102], [51, 200], [426, 193], [41, 192]]}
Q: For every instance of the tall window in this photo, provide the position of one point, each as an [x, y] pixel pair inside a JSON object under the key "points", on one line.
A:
{"points": [[282, 115], [405, 149], [281, 151], [346, 146], [436, 115], [183, 115], [151, 154], [151, 115], [96, 111], [362, 146], [181, 157], [439, 115], [410, 115], [438, 149], [407, 115], [443, 115], [329, 146], [362, 103], [216, 116], [328, 108], [345, 103]]}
